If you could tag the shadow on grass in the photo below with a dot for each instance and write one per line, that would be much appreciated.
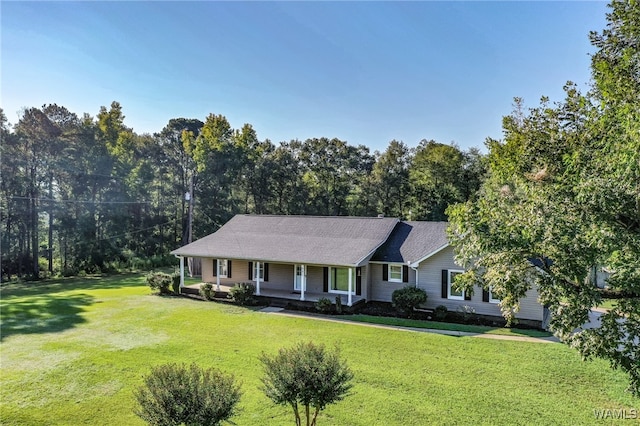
(43, 314)
(56, 285)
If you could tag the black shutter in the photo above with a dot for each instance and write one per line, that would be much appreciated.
(250, 271)
(467, 295)
(228, 269)
(445, 283)
(485, 295)
(325, 279)
(358, 281)
(266, 272)
(215, 267)
(405, 274)
(385, 272)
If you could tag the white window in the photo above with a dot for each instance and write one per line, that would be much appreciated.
(258, 271)
(339, 280)
(492, 297)
(223, 268)
(451, 292)
(395, 273)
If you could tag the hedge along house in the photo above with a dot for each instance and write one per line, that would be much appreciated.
(356, 258)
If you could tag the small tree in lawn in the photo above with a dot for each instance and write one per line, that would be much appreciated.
(306, 377)
(175, 394)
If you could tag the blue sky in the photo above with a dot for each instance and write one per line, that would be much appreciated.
(364, 72)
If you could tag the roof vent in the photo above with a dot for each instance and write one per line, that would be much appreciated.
(380, 216)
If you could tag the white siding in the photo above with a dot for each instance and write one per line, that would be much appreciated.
(430, 279)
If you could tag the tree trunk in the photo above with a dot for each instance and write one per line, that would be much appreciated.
(34, 225)
(50, 251)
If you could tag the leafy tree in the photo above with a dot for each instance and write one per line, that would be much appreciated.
(563, 198)
(391, 180)
(176, 394)
(306, 376)
(441, 175)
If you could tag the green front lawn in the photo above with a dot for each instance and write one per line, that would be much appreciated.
(73, 351)
(436, 325)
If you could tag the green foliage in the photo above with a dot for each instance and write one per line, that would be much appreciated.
(554, 386)
(563, 198)
(467, 314)
(159, 281)
(306, 376)
(440, 312)
(123, 187)
(176, 394)
(175, 282)
(242, 293)
(338, 305)
(323, 305)
(441, 175)
(205, 290)
(408, 298)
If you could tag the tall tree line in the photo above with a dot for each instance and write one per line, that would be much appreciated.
(83, 193)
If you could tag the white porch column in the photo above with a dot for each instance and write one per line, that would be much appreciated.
(181, 272)
(257, 278)
(303, 281)
(217, 274)
(349, 299)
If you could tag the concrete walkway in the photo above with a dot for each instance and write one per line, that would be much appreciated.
(308, 315)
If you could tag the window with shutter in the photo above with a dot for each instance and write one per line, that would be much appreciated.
(452, 293)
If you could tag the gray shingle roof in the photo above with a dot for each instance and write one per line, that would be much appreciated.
(412, 241)
(323, 240)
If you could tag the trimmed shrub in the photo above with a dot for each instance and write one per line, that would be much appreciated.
(159, 281)
(307, 378)
(175, 282)
(323, 305)
(205, 290)
(242, 293)
(440, 312)
(176, 394)
(467, 313)
(338, 305)
(408, 298)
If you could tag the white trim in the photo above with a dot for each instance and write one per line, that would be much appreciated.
(330, 290)
(256, 268)
(181, 272)
(258, 279)
(416, 271)
(491, 299)
(351, 274)
(417, 262)
(449, 296)
(295, 276)
(303, 279)
(226, 267)
(396, 280)
(217, 274)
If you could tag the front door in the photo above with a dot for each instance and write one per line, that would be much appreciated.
(299, 273)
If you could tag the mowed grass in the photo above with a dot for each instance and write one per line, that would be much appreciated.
(73, 351)
(436, 325)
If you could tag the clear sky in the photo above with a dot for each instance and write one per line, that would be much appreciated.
(364, 72)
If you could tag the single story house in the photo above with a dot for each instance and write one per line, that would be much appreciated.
(355, 258)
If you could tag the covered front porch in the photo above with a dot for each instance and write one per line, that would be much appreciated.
(311, 297)
(288, 281)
